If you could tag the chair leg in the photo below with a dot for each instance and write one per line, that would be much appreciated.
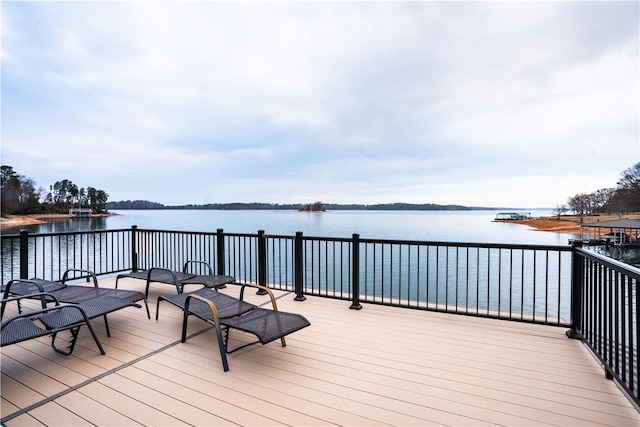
(157, 306)
(95, 337)
(70, 345)
(222, 345)
(185, 319)
(106, 325)
(222, 342)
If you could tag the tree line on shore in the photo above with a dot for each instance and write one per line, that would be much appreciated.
(622, 199)
(19, 196)
(145, 204)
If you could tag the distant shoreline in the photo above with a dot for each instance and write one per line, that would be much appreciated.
(562, 224)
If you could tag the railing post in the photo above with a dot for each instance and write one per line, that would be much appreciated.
(220, 252)
(577, 279)
(24, 254)
(134, 246)
(355, 272)
(297, 266)
(262, 262)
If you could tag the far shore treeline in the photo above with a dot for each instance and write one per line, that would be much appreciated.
(144, 204)
(20, 197)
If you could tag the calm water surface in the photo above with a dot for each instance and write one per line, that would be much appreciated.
(447, 226)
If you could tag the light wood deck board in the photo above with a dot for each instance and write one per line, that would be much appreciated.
(56, 415)
(88, 409)
(457, 399)
(26, 420)
(376, 366)
(223, 392)
(182, 392)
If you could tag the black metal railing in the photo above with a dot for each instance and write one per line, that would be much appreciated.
(606, 317)
(49, 255)
(594, 296)
(516, 282)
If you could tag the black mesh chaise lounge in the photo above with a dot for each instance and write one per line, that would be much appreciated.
(50, 320)
(179, 278)
(225, 312)
(73, 294)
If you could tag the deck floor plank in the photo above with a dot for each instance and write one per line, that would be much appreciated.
(25, 420)
(207, 395)
(17, 393)
(237, 391)
(375, 366)
(55, 415)
(100, 410)
(116, 391)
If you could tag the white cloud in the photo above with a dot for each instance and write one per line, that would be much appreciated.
(441, 102)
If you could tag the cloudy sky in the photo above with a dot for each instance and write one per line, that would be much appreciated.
(503, 104)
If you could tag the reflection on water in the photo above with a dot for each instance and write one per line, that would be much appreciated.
(445, 226)
(629, 256)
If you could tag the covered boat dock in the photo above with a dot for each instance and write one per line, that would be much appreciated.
(617, 232)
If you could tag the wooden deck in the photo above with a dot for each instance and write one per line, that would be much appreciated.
(376, 366)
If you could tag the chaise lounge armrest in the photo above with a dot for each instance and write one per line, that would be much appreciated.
(266, 324)
(54, 319)
(90, 275)
(35, 285)
(179, 278)
(73, 294)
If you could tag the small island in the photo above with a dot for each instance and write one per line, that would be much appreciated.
(313, 207)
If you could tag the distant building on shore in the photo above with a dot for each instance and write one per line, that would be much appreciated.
(511, 216)
(80, 212)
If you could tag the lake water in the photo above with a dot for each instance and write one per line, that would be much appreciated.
(430, 226)
(447, 226)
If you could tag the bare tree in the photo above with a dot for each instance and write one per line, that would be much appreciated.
(560, 210)
(629, 187)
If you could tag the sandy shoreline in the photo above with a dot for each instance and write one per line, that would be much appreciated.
(566, 223)
(13, 221)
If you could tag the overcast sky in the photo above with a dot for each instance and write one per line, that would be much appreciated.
(503, 104)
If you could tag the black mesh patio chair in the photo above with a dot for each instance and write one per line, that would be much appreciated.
(50, 320)
(193, 273)
(225, 312)
(73, 294)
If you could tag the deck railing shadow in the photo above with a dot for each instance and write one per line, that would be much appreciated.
(593, 296)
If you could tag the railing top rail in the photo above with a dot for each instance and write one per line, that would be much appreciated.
(563, 248)
(473, 244)
(280, 236)
(627, 269)
(151, 230)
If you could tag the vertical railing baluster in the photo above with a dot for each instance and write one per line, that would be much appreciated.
(577, 279)
(220, 254)
(134, 253)
(24, 254)
(297, 266)
(633, 283)
(633, 329)
(613, 278)
(262, 262)
(355, 270)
